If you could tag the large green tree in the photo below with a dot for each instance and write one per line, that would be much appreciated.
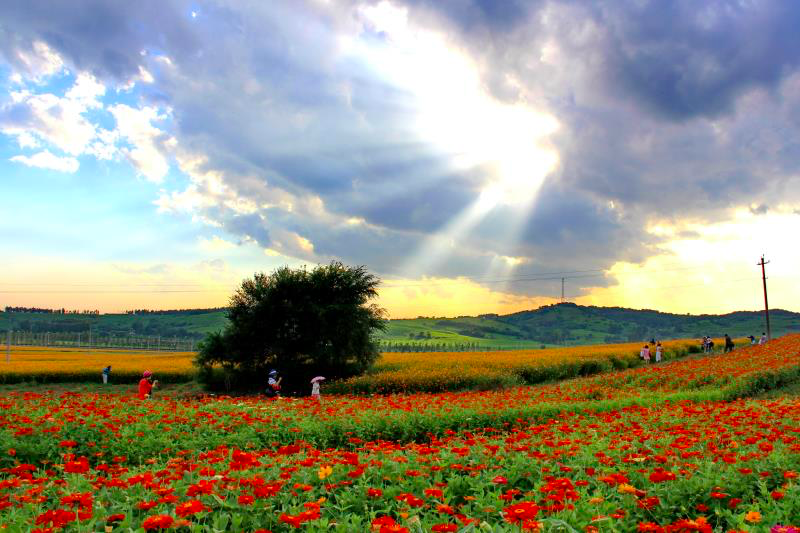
(302, 323)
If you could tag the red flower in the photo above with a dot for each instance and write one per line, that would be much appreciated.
(520, 511)
(394, 528)
(777, 495)
(660, 475)
(649, 527)
(115, 518)
(374, 493)
(443, 528)
(81, 466)
(648, 503)
(190, 507)
(159, 521)
(146, 506)
(434, 493)
(294, 521)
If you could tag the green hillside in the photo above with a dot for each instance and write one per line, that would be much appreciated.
(571, 324)
(194, 323)
(560, 324)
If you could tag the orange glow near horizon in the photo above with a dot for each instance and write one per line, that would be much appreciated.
(712, 272)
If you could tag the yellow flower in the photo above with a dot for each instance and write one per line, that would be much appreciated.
(325, 471)
(754, 517)
(624, 488)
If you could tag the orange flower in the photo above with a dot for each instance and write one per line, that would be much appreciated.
(754, 517)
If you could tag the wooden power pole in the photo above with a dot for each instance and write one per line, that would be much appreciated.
(766, 303)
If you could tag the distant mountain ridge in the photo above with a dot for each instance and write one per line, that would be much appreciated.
(558, 324)
(570, 324)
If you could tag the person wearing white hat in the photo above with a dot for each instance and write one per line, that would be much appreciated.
(273, 384)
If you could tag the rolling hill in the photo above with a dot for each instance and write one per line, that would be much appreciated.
(560, 324)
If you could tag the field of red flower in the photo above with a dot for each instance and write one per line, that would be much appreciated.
(660, 448)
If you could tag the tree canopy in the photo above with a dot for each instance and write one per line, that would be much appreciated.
(302, 323)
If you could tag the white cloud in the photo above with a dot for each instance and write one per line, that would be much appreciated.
(41, 61)
(86, 90)
(148, 143)
(26, 140)
(57, 121)
(50, 161)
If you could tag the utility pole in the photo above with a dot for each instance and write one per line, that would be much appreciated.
(562, 290)
(766, 304)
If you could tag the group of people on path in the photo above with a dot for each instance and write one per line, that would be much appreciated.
(658, 352)
(762, 340)
(274, 386)
(707, 343)
(148, 383)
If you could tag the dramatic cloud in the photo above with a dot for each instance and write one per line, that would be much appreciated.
(425, 138)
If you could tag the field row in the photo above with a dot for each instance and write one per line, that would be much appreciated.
(394, 372)
(676, 467)
(625, 451)
(443, 371)
(407, 417)
(75, 365)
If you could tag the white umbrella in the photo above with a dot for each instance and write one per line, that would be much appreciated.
(318, 378)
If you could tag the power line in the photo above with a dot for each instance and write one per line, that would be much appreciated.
(544, 276)
(115, 291)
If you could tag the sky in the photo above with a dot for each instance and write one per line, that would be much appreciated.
(470, 153)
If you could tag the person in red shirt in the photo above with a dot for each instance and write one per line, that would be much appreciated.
(146, 385)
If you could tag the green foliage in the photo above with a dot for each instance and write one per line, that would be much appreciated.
(568, 324)
(302, 323)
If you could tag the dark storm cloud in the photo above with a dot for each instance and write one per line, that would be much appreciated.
(250, 226)
(666, 109)
(103, 37)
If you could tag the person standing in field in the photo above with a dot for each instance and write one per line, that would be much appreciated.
(146, 385)
(752, 340)
(645, 353)
(105, 373)
(273, 384)
(315, 388)
(763, 339)
(728, 343)
(659, 352)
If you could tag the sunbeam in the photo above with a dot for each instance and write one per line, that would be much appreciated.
(453, 112)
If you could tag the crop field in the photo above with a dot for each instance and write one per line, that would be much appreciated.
(675, 447)
(394, 372)
(64, 365)
(442, 371)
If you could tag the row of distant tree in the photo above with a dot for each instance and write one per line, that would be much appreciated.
(388, 346)
(43, 310)
(174, 311)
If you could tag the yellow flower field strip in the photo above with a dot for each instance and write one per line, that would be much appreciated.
(59, 360)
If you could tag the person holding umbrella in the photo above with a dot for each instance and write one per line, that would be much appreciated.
(315, 387)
